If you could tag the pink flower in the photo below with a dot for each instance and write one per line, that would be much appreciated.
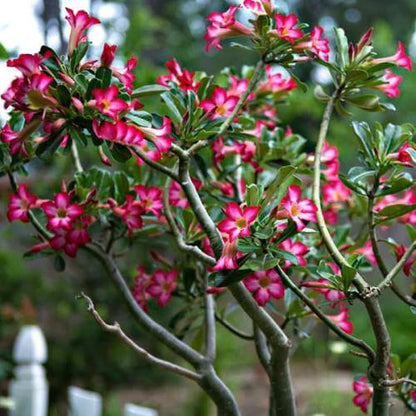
(78, 234)
(221, 151)
(367, 251)
(364, 394)
(342, 320)
(399, 58)
(265, 285)
(296, 209)
(329, 154)
(285, 27)
(220, 104)
(177, 196)
(399, 251)
(126, 75)
(151, 199)
(259, 7)
(224, 25)
(162, 137)
(182, 77)
(60, 212)
(317, 44)
(27, 64)
(228, 258)
(60, 241)
(108, 54)
(162, 285)
(79, 23)
(239, 220)
(276, 83)
(120, 132)
(17, 142)
(107, 102)
(391, 86)
(335, 191)
(297, 248)
(403, 155)
(130, 212)
(409, 198)
(20, 203)
(141, 282)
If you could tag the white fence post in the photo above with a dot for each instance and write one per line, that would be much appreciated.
(84, 402)
(133, 410)
(29, 390)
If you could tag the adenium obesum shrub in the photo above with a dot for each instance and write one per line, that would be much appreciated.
(265, 229)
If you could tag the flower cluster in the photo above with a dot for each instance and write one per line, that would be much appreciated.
(364, 394)
(160, 285)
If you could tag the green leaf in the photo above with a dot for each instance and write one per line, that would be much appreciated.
(64, 96)
(121, 186)
(396, 184)
(253, 194)
(363, 132)
(347, 273)
(366, 102)
(104, 75)
(394, 211)
(148, 90)
(320, 94)
(226, 278)
(341, 48)
(3, 52)
(351, 185)
(286, 255)
(412, 153)
(173, 109)
(78, 54)
(279, 185)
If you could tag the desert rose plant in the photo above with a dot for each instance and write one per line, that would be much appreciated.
(263, 228)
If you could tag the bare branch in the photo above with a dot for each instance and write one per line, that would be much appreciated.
(75, 156)
(210, 330)
(116, 329)
(233, 329)
(392, 383)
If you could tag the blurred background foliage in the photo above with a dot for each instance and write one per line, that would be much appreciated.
(32, 291)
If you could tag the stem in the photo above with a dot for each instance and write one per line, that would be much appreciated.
(196, 251)
(233, 329)
(199, 210)
(316, 191)
(359, 343)
(155, 165)
(116, 329)
(76, 158)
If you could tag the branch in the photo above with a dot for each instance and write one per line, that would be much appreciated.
(362, 345)
(116, 329)
(196, 251)
(396, 269)
(262, 349)
(233, 329)
(155, 329)
(155, 165)
(316, 192)
(392, 383)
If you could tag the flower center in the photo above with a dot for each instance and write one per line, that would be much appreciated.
(294, 210)
(264, 281)
(241, 222)
(148, 203)
(61, 213)
(221, 110)
(105, 103)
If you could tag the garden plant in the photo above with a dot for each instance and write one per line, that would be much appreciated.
(264, 229)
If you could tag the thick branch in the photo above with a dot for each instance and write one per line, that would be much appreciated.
(359, 343)
(116, 329)
(210, 329)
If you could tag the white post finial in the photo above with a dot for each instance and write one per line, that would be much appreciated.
(29, 390)
(133, 410)
(84, 403)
